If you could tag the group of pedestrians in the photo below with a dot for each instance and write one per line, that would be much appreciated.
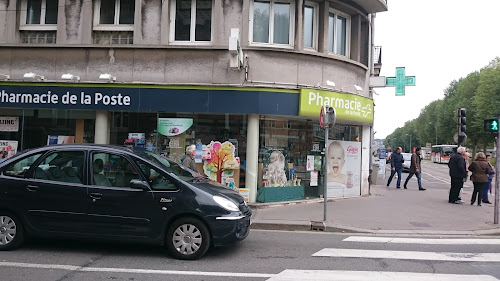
(397, 161)
(482, 174)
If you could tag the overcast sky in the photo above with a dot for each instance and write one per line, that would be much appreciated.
(438, 41)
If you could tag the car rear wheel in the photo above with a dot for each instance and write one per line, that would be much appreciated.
(11, 231)
(187, 239)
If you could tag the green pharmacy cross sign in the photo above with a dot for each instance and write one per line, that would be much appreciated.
(400, 81)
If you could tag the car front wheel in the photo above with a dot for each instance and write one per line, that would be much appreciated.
(11, 231)
(187, 239)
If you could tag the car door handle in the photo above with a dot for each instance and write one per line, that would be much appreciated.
(32, 187)
(95, 196)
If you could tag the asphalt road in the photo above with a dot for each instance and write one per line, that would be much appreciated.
(264, 255)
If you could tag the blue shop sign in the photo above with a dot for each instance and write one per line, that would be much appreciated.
(216, 100)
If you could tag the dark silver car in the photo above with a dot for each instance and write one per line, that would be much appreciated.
(115, 193)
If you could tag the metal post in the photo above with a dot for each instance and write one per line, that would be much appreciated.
(325, 173)
(497, 175)
(411, 149)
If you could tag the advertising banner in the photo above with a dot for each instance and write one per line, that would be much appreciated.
(9, 124)
(344, 169)
(173, 126)
(8, 148)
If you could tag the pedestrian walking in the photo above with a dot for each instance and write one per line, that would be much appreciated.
(480, 171)
(458, 174)
(396, 166)
(415, 168)
(487, 188)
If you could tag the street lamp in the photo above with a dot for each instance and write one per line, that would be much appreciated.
(410, 143)
(436, 132)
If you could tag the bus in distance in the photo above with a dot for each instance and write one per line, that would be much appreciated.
(442, 153)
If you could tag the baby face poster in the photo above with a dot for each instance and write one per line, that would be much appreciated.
(344, 169)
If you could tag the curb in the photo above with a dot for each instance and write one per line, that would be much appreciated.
(334, 228)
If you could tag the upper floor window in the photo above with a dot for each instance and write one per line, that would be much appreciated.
(310, 25)
(39, 15)
(338, 33)
(114, 15)
(272, 22)
(191, 21)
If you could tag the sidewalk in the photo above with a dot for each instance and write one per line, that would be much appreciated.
(386, 211)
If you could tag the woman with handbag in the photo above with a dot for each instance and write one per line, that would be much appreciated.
(480, 171)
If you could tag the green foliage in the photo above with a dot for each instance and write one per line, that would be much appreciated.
(479, 93)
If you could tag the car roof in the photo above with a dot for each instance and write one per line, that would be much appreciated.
(83, 146)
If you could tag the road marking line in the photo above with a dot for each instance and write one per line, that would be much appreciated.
(408, 255)
(437, 178)
(324, 275)
(422, 241)
(132, 270)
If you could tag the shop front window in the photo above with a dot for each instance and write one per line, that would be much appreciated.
(291, 157)
(219, 140)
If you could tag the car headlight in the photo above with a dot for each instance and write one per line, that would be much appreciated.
(226, 204)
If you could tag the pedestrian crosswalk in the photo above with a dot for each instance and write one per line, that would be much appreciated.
(408, 255)
(331, 275)
(427, 256)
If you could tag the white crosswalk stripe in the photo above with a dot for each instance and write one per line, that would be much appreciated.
(323, 275)
(407, 240)
(408, 255)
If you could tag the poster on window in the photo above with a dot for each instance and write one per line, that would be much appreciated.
(344, 169)
(275, 162)
(51, 139)
(9, 124)
(8, 148)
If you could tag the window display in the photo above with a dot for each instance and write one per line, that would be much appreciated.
(291, 159)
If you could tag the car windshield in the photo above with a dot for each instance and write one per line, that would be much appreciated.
(169, 166)
(447, 151)
(407, 156)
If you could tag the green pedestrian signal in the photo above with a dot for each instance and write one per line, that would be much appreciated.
(491, 125)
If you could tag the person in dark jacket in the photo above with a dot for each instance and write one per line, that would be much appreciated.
(396, 166)
(487, 188)
(415, 168)
(458, 174)
(188, 159)
(480, 171)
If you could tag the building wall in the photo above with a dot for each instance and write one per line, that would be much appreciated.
(152, 59)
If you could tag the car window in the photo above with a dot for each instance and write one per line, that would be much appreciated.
(157, 180)
(61, 166)
(112, 170)
(180, 171)
(19, 168)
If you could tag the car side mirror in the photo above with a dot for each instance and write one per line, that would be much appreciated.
(138, 184)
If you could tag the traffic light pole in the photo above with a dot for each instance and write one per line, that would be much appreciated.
(497, 175)
(325, 173)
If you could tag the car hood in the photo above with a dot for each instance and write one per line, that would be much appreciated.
(215, 188)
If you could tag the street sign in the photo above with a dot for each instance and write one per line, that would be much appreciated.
(460, 138)
(400, 81)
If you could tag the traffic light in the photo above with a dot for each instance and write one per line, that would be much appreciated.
(491, 125)
(461, 121)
